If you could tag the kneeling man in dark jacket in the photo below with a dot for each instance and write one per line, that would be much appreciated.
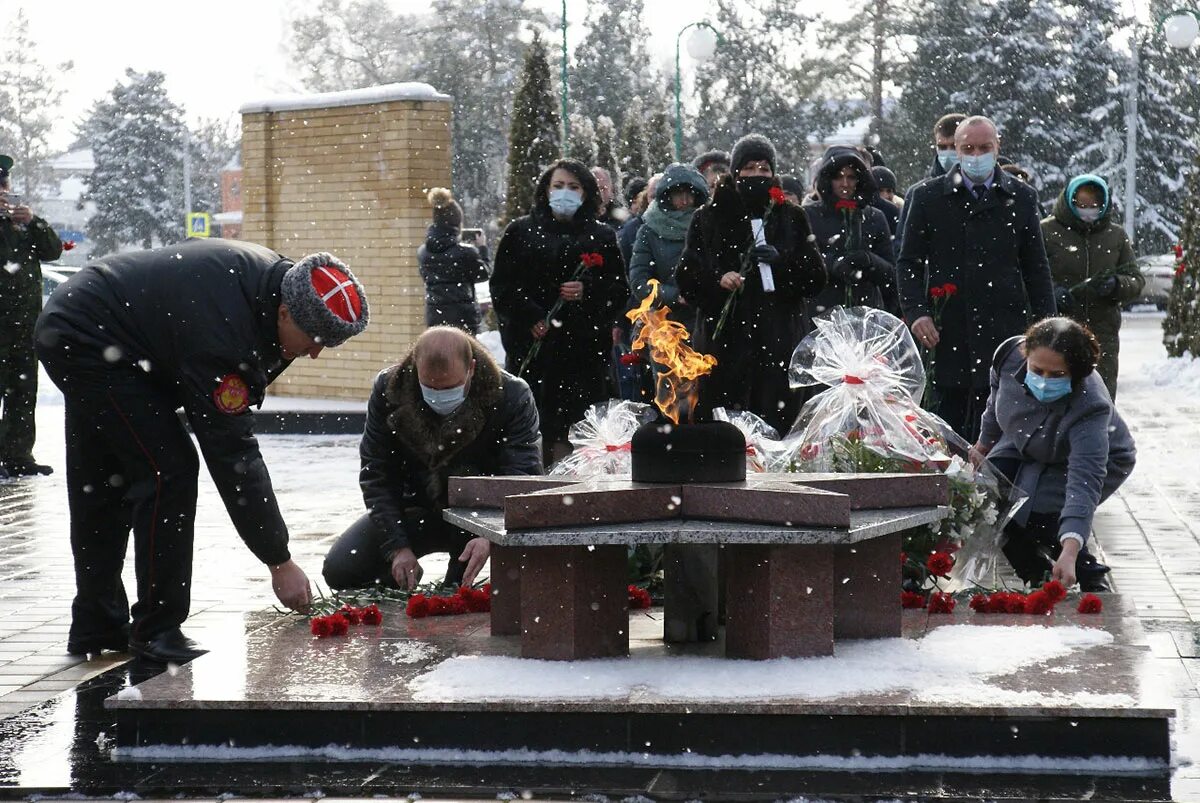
(446, 410)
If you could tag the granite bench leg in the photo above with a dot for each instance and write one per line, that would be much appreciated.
(506, 590)
(574, 602)
(690, 591)
(779, 600)
(866, 586)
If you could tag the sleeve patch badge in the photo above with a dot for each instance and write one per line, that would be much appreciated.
(232, 395)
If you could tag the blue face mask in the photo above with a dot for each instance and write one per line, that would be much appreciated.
(444, 402)
(979, 168)
(565, 202)
(948, 159)
(1047, 390)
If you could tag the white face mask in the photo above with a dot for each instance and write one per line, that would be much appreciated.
(1089, 215)
(444, 401)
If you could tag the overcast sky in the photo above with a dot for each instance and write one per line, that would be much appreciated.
(231, 51)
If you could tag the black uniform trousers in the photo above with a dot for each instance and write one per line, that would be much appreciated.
(356, 559)
(18, 375)
(130, 465)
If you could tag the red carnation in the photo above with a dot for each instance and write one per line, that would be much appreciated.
(1090, 603)
(1038, 603)
(631, 358)
(68, 245)
(321, 627)
(1015, 603)
(778, 196)
(846, 203)
(1055, 591)
(911, 599)
(1178, 251)
(942, 603)
(477, 601)
(937, 292)
(351, 615)
(418, 606)
(950, 288)
(1179, 270)
(939, 564)
(455, 606)
(979, 603)
(591, 260)
(639, 597)
(438, 606)
(371, 615)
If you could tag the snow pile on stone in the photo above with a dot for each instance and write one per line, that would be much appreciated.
(954, 662)
(1176, 373)
(412, 90)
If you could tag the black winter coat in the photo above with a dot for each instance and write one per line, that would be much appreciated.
(536, 255)
(993, 251)
(409, 452)
(199, 319)
(856, 244)
(450, 270)
(756, 345)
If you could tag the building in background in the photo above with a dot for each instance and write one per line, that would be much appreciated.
(61, 207)
(229, 219)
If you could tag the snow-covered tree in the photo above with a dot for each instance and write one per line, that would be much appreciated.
(1093, 126)
(632, 148)
(660, 139)
(136, 137)
(612, 66)
(756, 81)
(214, 143)
(29, 101)
(347, 45)
(533, 138)
(607, 149)
(1181, 327)
(581, 141)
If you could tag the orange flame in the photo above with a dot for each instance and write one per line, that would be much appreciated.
(679, 367)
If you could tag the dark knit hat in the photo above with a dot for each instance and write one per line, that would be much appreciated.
(325, 300)
(446, 211)
(709, 158)
(885, 179)
(752, 148)
(791, 184)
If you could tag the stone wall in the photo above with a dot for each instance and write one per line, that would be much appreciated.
(347, 173)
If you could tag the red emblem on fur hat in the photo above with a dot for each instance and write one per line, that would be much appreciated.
(232, 395)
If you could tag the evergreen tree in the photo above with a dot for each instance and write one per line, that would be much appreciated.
(29, 101)
(581, 142)
(756, 82)
(607, 149)
(533, 139)
(1093, 127)
(136, 137)
(612, 65)
(632, 151)
(660, 139)
(214, 143)
(1181, 327)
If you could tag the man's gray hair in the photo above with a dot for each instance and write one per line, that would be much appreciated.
(974, 120)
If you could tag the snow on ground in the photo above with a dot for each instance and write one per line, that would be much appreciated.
(954, 662)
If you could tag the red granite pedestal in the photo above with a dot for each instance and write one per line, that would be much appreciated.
(866, 577)
(506, 590)
(578, 607)
(779, 600)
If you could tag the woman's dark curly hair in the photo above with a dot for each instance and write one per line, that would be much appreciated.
(591, 190)
(1074, 341)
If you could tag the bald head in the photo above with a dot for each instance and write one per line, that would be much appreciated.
(974, 132)
(444, 357)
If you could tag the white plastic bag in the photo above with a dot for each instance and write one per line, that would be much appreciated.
(600, 441)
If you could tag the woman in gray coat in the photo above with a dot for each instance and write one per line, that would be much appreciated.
(1051, 427)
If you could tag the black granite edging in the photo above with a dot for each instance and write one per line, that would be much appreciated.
(662, 734)
(307, 422)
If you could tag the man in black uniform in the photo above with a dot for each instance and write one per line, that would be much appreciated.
(205, 325)
(25, 242)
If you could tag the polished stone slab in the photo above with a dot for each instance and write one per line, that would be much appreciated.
(364, 691)
(864, 525)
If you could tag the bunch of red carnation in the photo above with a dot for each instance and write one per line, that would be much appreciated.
(639, 597)
(1036, 603)
(464, 600)
(338, 623)
(946, 290)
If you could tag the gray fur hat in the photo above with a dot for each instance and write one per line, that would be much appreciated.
(752, 148)
(325, 300)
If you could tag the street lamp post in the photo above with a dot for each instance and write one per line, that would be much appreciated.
(566, 125)
(701, 46)
(1181, 29)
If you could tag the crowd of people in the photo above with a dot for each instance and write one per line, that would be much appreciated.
(1023, 354)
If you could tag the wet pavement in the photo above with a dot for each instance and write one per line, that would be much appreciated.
(56, 733)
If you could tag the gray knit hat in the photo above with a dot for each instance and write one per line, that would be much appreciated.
(325, 300)
(752, 148)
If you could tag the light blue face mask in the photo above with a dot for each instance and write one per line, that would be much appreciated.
(446, 401)
(979, 168)
(1047, 390)
(947, 159)
(565, 202)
